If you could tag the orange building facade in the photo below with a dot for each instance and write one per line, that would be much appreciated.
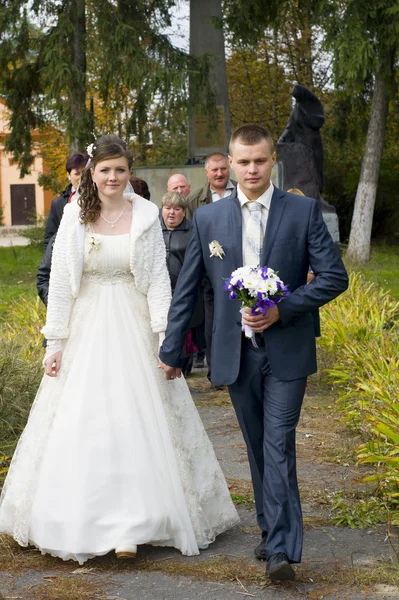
(20, 199)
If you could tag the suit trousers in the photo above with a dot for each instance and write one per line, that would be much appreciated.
(268, 411)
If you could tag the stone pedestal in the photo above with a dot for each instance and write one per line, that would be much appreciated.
(298, 168)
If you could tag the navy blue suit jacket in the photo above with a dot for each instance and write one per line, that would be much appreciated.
(296, 237)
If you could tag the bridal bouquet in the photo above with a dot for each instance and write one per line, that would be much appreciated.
(257, 288)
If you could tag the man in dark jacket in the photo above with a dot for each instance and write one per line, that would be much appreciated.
(74, 166)
(43, 273)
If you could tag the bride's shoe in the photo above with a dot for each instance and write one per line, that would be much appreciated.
(127, 552)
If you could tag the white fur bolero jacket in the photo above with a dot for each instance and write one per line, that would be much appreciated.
(147, 264)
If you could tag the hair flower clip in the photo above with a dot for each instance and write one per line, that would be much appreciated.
(90, 149)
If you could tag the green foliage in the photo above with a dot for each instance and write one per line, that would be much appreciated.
(20, 79)
(18, 268)
(19, 380)
(20, 371)
(246, 500)
(365, 312)
(259, 89)
(383, 268)
(359, 513)
(248, 19)
(277, 45)
(94, 55)
(35, 234)
(19, 264)
(344, 139)
(361, 332)
(23, 321)
(364, 37)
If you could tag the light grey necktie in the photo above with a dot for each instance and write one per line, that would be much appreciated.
(253, 234)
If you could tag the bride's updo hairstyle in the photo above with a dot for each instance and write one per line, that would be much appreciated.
(104, 148)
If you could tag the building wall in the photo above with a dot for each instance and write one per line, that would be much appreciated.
(9, 175)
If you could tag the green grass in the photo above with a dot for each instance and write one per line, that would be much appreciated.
(19, 264)
(18, 268)
(383, 268)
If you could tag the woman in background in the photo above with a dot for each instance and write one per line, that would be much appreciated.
(140, 187)
(176, 233)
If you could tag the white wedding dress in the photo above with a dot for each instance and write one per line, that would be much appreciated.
(113, 455)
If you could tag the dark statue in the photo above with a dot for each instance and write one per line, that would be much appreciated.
(300, 150)
(304, 126)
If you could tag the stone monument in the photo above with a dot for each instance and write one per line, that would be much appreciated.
(206, 37)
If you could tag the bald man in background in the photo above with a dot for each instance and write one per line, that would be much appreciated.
(179, 183)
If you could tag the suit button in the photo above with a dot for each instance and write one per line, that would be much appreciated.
(239, 323)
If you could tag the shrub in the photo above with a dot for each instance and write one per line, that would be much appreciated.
(361, 332)
(19, 381)
(20, 371)
(35, 233)
(23, 321)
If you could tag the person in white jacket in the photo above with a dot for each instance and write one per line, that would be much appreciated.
(112, 456)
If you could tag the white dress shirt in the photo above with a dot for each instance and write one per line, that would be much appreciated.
(226, 192)
(265, 200)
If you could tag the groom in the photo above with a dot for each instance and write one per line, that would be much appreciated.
(260, 224)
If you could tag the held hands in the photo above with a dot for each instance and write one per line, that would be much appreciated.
(52, 364)
(259, 323)
(170, 372)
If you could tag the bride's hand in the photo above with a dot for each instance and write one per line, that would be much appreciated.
(170, 372)
(52, 364)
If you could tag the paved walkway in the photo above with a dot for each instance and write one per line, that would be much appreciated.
(11, 236)
(227, 570)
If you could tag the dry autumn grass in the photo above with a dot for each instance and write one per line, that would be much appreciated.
(95, 581)
(66, 588)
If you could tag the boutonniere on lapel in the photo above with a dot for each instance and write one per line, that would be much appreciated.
(216, 249)
(94, 243)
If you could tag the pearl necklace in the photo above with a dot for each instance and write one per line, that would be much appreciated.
(113, 223)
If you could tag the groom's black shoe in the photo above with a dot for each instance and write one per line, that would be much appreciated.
(260, 550)
(278, 568)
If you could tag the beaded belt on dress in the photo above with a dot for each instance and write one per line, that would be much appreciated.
(108, 277)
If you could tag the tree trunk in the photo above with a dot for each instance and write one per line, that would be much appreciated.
(79, 116)
(362, 220)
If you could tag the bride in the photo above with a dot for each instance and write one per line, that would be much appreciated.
(113, 455)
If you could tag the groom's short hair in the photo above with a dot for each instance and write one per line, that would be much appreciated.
(249, 135)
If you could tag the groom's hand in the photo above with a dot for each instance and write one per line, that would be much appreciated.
(170, 372)
(261, 322)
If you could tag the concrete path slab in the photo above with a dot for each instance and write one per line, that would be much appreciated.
(13, 240)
